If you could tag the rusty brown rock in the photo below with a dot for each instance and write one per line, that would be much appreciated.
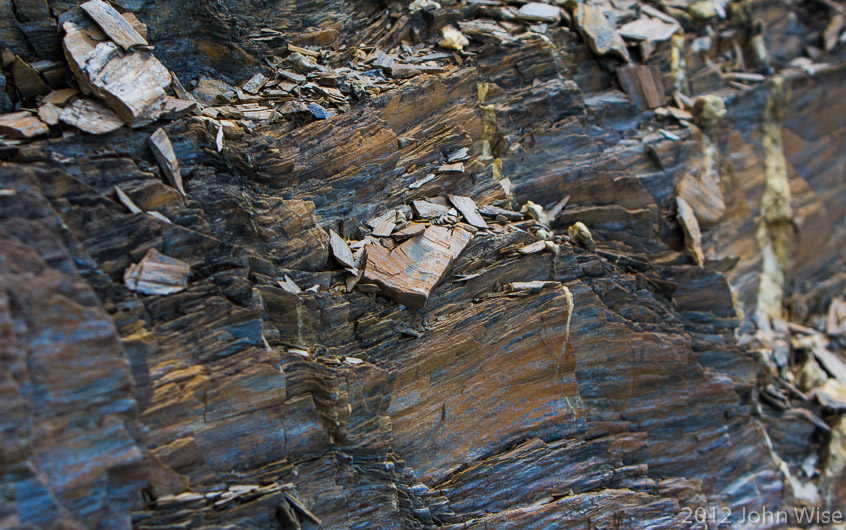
(22, 125)
(409, 272)
(643, 84)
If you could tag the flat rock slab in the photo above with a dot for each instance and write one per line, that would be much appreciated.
(90, 116)
(22, 125)
(113, 24)
(646, 28)
(132, 84)
(643, 84)
(468, 209)
(600, 35)
(163, 151)
(409, 272)
(157, 274)
(539, 12)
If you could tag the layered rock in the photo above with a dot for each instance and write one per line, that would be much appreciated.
(557, 386)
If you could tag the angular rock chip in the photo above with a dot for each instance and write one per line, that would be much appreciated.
(383, 60)
(692, 235)
(534, 286)
(157, 274)
(384, 224)
(49, 113)
(428, 210)
(539, 12)
(288, 285)
(163, 151)
(832, 364)
(133, 84)
(60, 97)
(255, 83)
(647, 28)
(90, 116)
(600, 35)
(411, 230)
(319, 112)
(468, 209)
(458, 167)
(22, 125)
(493, 211)
(533, 248)
(409, 272)
(341, 250)
(113, 24)
(175, 108)
(419, 183)
(126, 201)
(458, 155)
(27, 79)
(643, 84)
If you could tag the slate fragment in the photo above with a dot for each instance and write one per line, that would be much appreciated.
(341, 250)
(114, 25)
(468, 209)
(600, 35)
(22, 125)
(650, 29)
(163, 151)
(319, 112)
(539, 12)
(409, 272)
(91, 116)
(692, 235)
(157, 274)
(27, 80)
(428, 210)
(643, 84)
(131, 83)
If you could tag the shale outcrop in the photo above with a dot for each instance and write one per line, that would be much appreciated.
(475, 264)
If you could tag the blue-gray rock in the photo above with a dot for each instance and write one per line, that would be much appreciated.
(319, 112)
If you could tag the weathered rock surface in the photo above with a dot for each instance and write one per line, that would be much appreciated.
(496, 374)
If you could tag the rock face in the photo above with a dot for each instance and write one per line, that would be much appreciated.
(203, 358)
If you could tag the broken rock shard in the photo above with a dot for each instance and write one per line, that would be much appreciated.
(91, 116)
(341, 250)
(157, 274)
(598, 31)
(22, 125)
(409, 272)
(468, 209)
(163, 151)
(113, 24)
(131, 83)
